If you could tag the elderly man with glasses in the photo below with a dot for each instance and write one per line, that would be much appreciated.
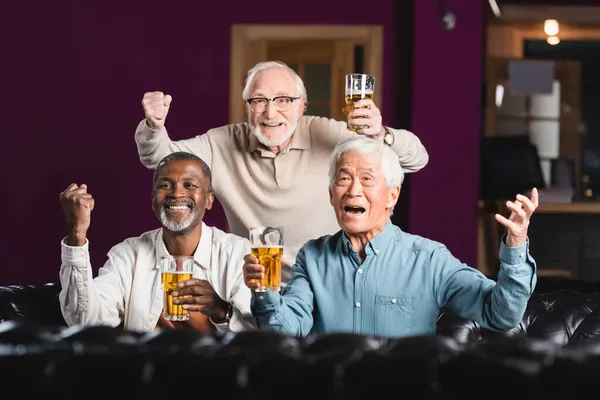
(272, 170)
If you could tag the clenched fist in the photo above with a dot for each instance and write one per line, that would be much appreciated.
(77, 205)
(156, 107)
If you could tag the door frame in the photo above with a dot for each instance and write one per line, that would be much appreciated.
(249, 44)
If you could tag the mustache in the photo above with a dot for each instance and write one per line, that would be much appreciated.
(263, 120)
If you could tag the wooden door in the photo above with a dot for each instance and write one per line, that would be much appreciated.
(321, 54)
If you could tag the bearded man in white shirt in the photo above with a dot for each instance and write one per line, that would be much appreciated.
(127, 289)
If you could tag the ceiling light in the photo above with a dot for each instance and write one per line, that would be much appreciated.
(551, 27)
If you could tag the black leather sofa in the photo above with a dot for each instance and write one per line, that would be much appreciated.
(553, 354)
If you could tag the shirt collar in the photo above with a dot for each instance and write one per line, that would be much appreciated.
(202, 255)
(300, 139)
(378, 243)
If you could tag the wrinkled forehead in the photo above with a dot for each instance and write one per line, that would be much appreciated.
(354, 159)
(181, 170)
(273, 82)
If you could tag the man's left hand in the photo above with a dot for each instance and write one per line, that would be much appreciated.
(518, 221)
(200, 297)
(367, 109)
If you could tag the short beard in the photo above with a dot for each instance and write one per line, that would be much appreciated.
(176, 227)
(257, 131)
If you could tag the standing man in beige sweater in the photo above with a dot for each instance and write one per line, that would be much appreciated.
(272, 170)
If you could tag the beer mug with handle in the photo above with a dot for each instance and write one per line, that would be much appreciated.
(267, 246)
(358, 87)
(175, 269)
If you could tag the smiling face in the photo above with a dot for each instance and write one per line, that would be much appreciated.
(272, 127)
(180, 196)
(360, 196)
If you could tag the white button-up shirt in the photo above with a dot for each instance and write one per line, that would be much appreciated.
(128, 287)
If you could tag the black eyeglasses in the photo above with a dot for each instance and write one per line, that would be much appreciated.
(282, 103)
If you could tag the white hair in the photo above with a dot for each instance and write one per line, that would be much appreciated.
(266, 65)
(390, 165)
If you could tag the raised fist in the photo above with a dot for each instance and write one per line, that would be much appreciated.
(77, 205)
(156, 107)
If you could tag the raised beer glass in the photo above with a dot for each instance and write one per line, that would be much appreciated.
(358, 87)
(175, 269)
(267, 246)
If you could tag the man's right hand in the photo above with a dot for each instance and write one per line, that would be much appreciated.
(77, 205)
(156, 107)
(253, 272)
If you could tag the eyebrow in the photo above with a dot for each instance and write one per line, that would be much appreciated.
(184, 178)
(346, 170)
(279, 94)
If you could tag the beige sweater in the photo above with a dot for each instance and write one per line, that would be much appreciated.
(257, 187)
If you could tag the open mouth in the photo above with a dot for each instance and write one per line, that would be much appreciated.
(177, 207)
(271, 124)
(354, 210)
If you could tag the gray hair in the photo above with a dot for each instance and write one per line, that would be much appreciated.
(390, 166)
(183, 156)
(266, 65)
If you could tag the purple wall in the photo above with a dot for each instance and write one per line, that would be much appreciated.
(74, 75)
(448, 69)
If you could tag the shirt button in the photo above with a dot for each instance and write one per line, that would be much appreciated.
(261, 298)
(357, 304)
(360, 270)
(394, 300)
(522, 255)
(83, 256)
(376, 251)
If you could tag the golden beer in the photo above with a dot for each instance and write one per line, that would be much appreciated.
(270, 258)
(173, 312)
(350, 100)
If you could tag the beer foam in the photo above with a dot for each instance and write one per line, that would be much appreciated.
(350, 91)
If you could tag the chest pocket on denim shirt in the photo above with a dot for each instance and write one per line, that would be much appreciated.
(394, 315)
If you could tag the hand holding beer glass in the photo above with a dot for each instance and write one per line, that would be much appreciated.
(175, 269)
(267, 246)
(358, 87)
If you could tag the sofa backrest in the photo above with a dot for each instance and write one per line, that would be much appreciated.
(36, 304)
(558, 316)
(71, 360)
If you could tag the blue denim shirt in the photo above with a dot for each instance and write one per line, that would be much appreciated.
(397, 290)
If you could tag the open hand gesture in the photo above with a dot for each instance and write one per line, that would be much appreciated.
(518, 221)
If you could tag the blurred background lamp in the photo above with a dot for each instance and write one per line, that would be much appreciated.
(551, 27)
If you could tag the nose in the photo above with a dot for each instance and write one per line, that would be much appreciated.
(178, 190)
(355, 188)
(270, 111)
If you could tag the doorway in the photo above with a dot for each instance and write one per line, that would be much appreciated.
(321, 54)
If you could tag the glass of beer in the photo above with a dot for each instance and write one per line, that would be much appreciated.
(267, 246)
(358, 87)
(175, 269)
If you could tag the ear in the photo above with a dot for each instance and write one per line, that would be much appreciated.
(392, 199)
(210, 198)
(301, 108)
(153, 201)
(246, 106)
(330, 197)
